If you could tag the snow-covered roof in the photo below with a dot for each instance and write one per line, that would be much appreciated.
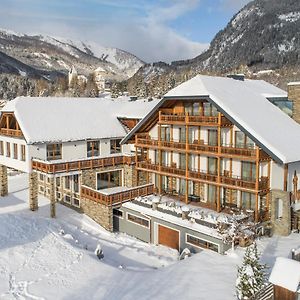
(286, 273)
(244, 102)
(51, 119)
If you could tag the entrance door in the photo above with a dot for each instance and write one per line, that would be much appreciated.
(168, 237)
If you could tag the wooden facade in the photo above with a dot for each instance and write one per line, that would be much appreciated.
(174, 114)
(281, 293)
(9, 126)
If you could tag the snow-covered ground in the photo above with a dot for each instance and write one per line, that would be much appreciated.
(37, 261)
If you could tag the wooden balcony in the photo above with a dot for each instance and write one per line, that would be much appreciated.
(227, 181)
(51, 167)
(116, 198)
(202, 148)
(193, 120)
(11, 132)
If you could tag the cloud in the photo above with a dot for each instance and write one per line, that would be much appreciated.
(138, 26)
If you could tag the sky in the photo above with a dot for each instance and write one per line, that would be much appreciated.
(153, 30)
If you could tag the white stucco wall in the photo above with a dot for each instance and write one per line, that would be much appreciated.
(74, 150)
(11, 162)
(277, 176)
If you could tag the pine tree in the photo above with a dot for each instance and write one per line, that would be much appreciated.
(251, 274)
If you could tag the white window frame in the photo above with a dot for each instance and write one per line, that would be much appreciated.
(129, 213)
(73, 203)
(67, 201)
(205, 240)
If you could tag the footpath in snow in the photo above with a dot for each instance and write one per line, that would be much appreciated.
(43, 258)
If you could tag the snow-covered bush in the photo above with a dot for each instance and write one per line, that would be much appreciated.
(99, 252)
(251, 274)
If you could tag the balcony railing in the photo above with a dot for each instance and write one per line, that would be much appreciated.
(193, 120)
(52, 167)
(11, 132)
(197, 147)
(225, 179)
(117, 197)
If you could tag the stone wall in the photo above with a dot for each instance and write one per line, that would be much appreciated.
(33, 191)
(3, 181)
(282, 225)
(294, 95)
(98, 212)
(130, 179)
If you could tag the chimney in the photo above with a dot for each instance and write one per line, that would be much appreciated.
(294, 96)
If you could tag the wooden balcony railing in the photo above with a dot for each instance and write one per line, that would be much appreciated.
(60, 167)
(197, 147)
(226, 180)
(193, 120)
(11, 132)
(118, 197)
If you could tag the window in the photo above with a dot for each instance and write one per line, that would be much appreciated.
(41, 177)
(182, 187)
(115, 146)
(182, 161)
(248, 201)
(67, 199)
(7, 149)
(67, 182)
(23, 152)
(92, 148)
(188, 109)
(138, 220)
(109, 179)
(1, 148)
(195, 241)
(242, 141)
(164, 158)
(212, 163)
(165, 134)
(58, 195)
(248, 171)
(211, 193)
(212, 137)
(182, 135)
(278, 208)
(117, 213)
(57, 181)
(15, 151)
(209, 110)
(54, 151)
(76, 183)
(156, 157)
(76, 202)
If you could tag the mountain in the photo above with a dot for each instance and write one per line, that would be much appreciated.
(262, 40)
(35, 55)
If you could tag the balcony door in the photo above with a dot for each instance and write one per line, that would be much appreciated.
(182, 135)
(242, 141)
(248, 171)
(165, 134)
(212, 137)
(212, 165)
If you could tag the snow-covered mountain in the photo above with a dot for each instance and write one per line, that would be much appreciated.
(51, 54)
(264, 35)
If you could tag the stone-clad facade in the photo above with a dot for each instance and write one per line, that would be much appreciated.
(3, 181)
(281, 212)
(33, 191)
(101, 214)
(294, 95)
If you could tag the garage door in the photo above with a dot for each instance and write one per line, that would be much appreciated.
(168, 237)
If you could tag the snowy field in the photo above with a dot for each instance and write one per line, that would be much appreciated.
(38, 262)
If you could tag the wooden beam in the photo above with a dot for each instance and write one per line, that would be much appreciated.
(285, 177)
(257, 184)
